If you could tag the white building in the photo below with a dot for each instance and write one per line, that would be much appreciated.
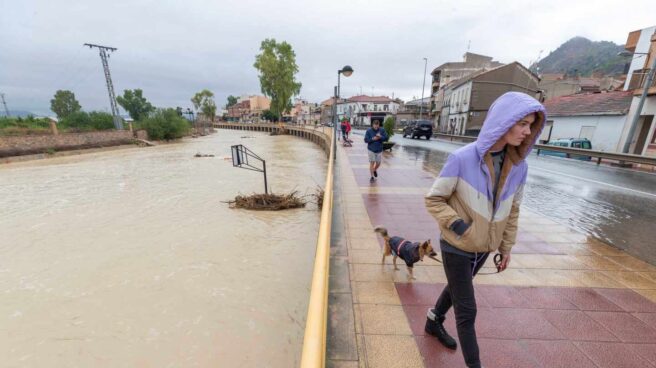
(361, 110)
(599, 117)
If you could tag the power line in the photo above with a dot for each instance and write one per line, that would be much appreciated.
(108, 78)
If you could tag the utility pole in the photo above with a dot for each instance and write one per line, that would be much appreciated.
(421, 102)
(2, 95)
(104, 55)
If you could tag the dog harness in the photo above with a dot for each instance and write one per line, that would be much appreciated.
(404, 249)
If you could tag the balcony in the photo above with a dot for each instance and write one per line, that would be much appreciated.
(632, 41)
(638, 80)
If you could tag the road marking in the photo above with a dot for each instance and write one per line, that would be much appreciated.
(598, 182)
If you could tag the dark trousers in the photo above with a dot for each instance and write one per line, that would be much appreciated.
(459, 292)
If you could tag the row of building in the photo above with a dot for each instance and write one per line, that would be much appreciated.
(605, 117)
(599, 108)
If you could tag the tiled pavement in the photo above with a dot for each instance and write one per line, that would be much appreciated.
(566, 300)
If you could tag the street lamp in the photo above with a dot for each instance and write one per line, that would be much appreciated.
(347, 71)
(645, 89)
(421, 102)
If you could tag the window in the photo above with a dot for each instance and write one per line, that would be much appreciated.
(375, 107)
(586, 145)
(385, 107)
(364, 107)
(576, 144)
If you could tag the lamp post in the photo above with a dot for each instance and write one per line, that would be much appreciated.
(347, 71)
(645, 89)
(421, 102)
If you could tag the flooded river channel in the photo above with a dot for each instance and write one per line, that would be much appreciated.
(129, 258)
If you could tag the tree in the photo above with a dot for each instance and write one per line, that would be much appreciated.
(64, 104)
(135, 104)
(388, 125)
(277, 66)
(232, 100)
(268, 115)
(204, 101)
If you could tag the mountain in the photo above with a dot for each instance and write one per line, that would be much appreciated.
(583, 57)
(18, 113)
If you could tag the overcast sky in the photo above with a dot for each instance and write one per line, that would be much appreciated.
(172, 49)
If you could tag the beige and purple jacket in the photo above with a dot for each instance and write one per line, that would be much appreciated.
(464, 188)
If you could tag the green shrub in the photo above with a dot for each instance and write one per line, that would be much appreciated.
(165, 124)
(76, 121)
(19, 126)
(101, 120)
(81, 121)
(388, 125)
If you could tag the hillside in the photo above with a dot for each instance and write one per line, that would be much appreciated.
(582, 56)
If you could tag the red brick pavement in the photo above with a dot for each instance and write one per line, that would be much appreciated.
(517, 326)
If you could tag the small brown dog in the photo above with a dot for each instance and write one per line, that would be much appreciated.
(410, 252)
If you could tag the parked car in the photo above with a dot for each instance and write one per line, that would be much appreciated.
(419, 128)
(581, 143)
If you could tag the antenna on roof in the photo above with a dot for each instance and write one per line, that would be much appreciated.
(468, 45)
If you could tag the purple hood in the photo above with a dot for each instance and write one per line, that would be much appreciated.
(504, 113)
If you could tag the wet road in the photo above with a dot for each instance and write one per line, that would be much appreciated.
(129, 258)
(615, 205)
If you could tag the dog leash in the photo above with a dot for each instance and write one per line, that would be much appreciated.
(496, 259)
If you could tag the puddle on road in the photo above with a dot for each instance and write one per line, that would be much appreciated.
(623, 220)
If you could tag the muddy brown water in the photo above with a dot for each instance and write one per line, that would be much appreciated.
(130, 259)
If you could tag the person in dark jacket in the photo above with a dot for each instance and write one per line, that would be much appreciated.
(374, 137)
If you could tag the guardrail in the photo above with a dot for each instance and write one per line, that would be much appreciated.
(314, 342)
(598, 155)
(621, 158)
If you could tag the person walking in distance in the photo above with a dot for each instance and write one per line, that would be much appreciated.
(348, 130)
(374, 137)
(475, 201)
(343, 128)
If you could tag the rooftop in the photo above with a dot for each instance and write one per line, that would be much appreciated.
(608, 103)
(365, 98)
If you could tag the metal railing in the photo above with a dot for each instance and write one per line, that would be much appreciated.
(571, 152)
(598, 155)
(314, 342)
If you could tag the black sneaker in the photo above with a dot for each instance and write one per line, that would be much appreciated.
(376, 173)
(435, 327)
(372, 179)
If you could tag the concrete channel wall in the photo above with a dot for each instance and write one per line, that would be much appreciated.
(36, 144)
(318, 135)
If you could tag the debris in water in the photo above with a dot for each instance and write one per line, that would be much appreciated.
(268, 202)
(318, 197)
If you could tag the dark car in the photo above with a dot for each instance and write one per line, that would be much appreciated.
(419, 128)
